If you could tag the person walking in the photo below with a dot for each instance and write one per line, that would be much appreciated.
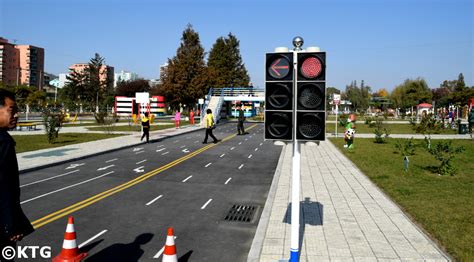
(241, 119)
(146, 128)
(471, 121)
(191, 117)
(177, 117)
(14, 225)
(209, 118)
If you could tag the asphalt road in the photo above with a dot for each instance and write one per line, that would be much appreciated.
(124, 201)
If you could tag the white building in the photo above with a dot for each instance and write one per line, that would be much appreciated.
(62, 80)
(124, 76)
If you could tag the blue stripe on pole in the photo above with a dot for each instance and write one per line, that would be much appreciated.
(294, 256)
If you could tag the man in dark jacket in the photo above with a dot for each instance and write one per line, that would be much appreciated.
(240, 125)
(13, 223)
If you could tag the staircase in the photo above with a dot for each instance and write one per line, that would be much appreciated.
(215, 104)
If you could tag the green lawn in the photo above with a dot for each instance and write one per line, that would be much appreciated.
(442, 205)
(25, 143)
(362, 128)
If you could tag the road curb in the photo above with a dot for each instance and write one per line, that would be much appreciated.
(72, 159)
(257, 243)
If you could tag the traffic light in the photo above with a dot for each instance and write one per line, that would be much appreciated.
(279, 96)
(311, 96)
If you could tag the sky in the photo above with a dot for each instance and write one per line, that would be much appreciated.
(382, 42)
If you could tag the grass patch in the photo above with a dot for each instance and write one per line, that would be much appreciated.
(362, 128)
(25, 143)
(443, 205)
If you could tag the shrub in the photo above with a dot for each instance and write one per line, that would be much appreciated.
(380, 131)
(52, 124)
(444, 151)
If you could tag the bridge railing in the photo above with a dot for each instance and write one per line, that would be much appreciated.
(236, 91)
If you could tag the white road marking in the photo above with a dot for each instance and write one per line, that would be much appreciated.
(207, 203)
(64, 188)
(256, 149)
(159, 150)
(160, 146)
(151, 202)
(232, 148)
(75, 165)
(104, 168)
(137, 163)
(240, 167)
(182, 146)
(139, 169)
(111, 160)
(246, 139)
(186, 179)
(250, 156)
(222, 155)
(92, 238)
(196, 142)
(261, 143)
(39, 181)
(162, 250)
(208, 165)
(139, 152)
(227, 181)
(176, 141)
(165, 153)
(185, 150)
(240, 143)
(137, 149)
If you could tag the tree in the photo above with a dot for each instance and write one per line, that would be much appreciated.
(359, 97)
(89, 87)
(461, 93)
(441, 96)
(225, 63)
(129, 88)
(382, 93)
(186, 77)
(411, 93)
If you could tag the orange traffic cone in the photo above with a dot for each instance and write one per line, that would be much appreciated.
(70, 252)
(170, 249)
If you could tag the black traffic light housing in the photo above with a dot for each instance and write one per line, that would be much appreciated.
(279, 97)
(311, 96)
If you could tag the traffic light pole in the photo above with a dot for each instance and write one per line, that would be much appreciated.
(295, 189)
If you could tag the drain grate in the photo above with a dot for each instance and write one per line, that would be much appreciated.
(241, 213)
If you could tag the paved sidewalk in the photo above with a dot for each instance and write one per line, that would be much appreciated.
(47, 157)
(344, 216)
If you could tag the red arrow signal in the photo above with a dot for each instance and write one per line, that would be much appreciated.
(276, 66)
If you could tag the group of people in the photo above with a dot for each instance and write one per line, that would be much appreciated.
(177, 118)
(209, 121)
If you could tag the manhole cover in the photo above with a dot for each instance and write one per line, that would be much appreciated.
(241, 213)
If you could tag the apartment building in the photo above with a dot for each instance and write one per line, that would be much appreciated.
(21, 64)
(9, 63)
(31, 65)
(125, 76)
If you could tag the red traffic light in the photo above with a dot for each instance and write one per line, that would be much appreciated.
(311, 67)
